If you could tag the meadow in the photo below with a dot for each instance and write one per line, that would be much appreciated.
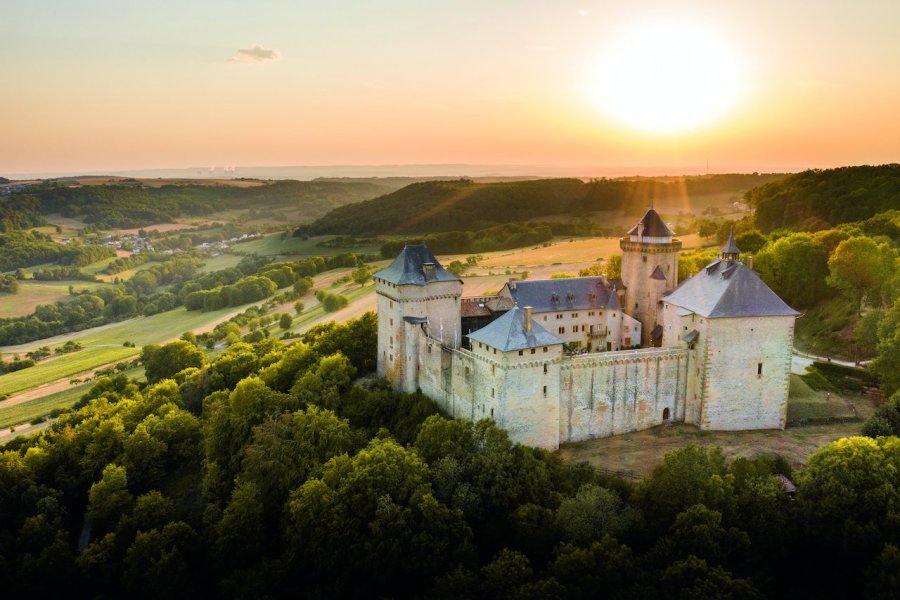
(63, 366)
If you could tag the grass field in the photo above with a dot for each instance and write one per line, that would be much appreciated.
(274, 245)
(28, 411)
(217, 263)
(32, 293)
(63, 366)
(805, 403)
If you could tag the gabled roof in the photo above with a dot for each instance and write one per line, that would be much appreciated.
(508, 333)
(573, 293)
(727, 288)
(409, 267)
(653, 224)
(658, 273)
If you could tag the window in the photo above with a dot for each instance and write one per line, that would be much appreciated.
(545, 390)
(635, 306)
(591, 314)
(492, 413)
(666, 414)
(644, 257)
(759, 369)
(392, 341)
(391, 304)
(562, 329)
(545, 348)
(545, 317)
(627, 341)
(429, 348)
(533, 350)
(492, 392)
(521, 352)
(574, 315)
(545, 368)
(392, 358)
(559, 315)
(392, 322)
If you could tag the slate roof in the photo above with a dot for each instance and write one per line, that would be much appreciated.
(408, 267)
(730, 247)
(573, 293)
(613, 302)
(508, 333)
(484, 307)
(654, 226)
(728, 288)
(658, 273)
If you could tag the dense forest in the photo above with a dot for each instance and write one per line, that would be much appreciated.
(135, 205)
(464, 205)
(267, 473)
(19, 249)
(819, 199)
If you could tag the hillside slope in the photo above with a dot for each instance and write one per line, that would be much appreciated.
(817, 199)
(436, 206)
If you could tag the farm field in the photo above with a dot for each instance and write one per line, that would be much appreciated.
(32, 293)
(217, 263)
(28, 411)
(63, 366)
(274, 245)
(569, 251)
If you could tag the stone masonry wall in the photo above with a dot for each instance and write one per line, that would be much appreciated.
(619, 392)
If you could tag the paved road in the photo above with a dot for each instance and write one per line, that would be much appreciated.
(801, 360)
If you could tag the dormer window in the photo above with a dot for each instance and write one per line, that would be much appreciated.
(554, 297)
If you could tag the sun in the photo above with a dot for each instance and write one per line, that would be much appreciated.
(668, 77)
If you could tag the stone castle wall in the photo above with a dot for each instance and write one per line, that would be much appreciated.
(587, 396)
(619, 392)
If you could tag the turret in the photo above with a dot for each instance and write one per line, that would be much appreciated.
(649, 269)
(730, 251)
(416, 297)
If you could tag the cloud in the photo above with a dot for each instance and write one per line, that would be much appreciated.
(255, 54)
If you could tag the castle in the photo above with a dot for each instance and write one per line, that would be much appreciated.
(564, 360)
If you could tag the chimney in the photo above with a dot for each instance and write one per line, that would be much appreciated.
(749, 261)
(428, 269)
(527, 319)
(512, 283)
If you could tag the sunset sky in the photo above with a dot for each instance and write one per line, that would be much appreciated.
(107, 85)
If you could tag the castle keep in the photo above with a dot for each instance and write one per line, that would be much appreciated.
(564, 360)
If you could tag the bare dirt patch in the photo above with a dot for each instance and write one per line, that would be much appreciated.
(638, 453)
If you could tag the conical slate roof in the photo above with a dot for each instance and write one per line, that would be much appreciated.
(508, 334)
(730, 247)
(409, 268)
(653, 224)
(726, 288)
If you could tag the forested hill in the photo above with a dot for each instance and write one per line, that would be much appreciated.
(466, 205)
(135, 205)
(819, 199)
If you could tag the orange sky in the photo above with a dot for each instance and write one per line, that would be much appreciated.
(101, 86)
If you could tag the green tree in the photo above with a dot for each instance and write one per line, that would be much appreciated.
(285, 321)
(361, 276)
(795, 267)
(109, 498)
(162, 362)
(861, 268)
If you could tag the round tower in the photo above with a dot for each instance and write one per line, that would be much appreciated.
(649, 269)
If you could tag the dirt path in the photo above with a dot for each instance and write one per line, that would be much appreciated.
(60, 385)
(638, 453)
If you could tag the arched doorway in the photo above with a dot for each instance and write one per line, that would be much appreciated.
(666, 414)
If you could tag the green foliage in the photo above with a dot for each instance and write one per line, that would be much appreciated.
(163, 362)
(463, 205)
(818, 199)
(285, 321)
(862, 268)
(795, 267)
